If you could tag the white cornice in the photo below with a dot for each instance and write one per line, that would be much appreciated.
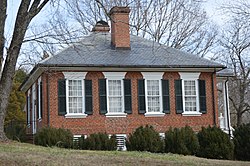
(189, 75)
(74, 75)
(37, 72)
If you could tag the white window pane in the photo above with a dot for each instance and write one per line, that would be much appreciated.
(115, 104)
(75, 96)
(190, 95)
(153, 93)
(115, 96)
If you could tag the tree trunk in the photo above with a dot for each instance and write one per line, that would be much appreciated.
(26, 12)
(6, 85)
(239, 118)
(3, 137)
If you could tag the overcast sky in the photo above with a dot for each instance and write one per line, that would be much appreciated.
(212, 9)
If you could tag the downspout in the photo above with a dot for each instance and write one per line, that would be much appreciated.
(48, 101)
(226, 93)
(212, 78)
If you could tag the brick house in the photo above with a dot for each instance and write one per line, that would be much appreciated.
(115, 82)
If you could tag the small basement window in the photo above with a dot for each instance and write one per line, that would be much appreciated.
(121, 142)
(76, 140)
(162, 136)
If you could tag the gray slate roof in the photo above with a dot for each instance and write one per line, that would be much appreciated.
(96, 50)
(225, 73)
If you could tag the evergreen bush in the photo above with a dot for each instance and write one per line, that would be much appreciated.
(99, 141)
(49, 136)
(145, 139)
(16, 130)
(242, 142)
(215, 144)
(181, 141)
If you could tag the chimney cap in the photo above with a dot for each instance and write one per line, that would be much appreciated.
(119, 9)
(101, 26)
(103, 23)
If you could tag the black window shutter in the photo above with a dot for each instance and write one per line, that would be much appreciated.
(88, 97)
(127, 96)
(202, 96)
(41, 98)
(141, 97)
(178, 96)
(165, 96)
(61, 97)
(102, 96)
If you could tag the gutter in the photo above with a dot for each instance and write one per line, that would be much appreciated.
(214, 111)
(48, 101)
(227, 109)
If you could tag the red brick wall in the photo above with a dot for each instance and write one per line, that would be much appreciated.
(100, 123)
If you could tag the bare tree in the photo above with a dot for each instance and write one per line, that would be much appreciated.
(235, 43)
(181, 24)
(26, 12)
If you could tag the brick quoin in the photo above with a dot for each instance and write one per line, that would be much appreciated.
(124, 125)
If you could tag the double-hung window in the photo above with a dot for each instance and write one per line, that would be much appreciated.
(40, 95)
(115, 94)
(75, 94)
(190, 93)
(153, 93)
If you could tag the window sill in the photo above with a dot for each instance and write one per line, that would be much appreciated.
(119, 115)
(154, 114)
(75, 115)
(191, 114)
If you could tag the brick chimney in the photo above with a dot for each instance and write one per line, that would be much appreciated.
(101, 26)
(120, 37)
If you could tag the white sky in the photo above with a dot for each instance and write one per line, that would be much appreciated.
(212, 9)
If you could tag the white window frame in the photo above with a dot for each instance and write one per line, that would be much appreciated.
(34, 102)
(190, 77)
(75, 76)
(115, 76)
(153, 76)
(39, 99)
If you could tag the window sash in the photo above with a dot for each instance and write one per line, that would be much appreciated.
(190, 95)
(115, 96)
(153, 96)
(75, 96)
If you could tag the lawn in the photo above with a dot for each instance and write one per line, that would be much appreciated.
(15, 153)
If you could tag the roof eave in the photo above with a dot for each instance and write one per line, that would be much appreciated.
(40, 68)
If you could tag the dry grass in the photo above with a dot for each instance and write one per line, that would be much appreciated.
(26, 154)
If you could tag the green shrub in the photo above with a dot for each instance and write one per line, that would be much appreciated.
(145, 139)
(215, 144)
(181, 141)
(99, 141)
(16, 130)
(242, 142)
(48, 136)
